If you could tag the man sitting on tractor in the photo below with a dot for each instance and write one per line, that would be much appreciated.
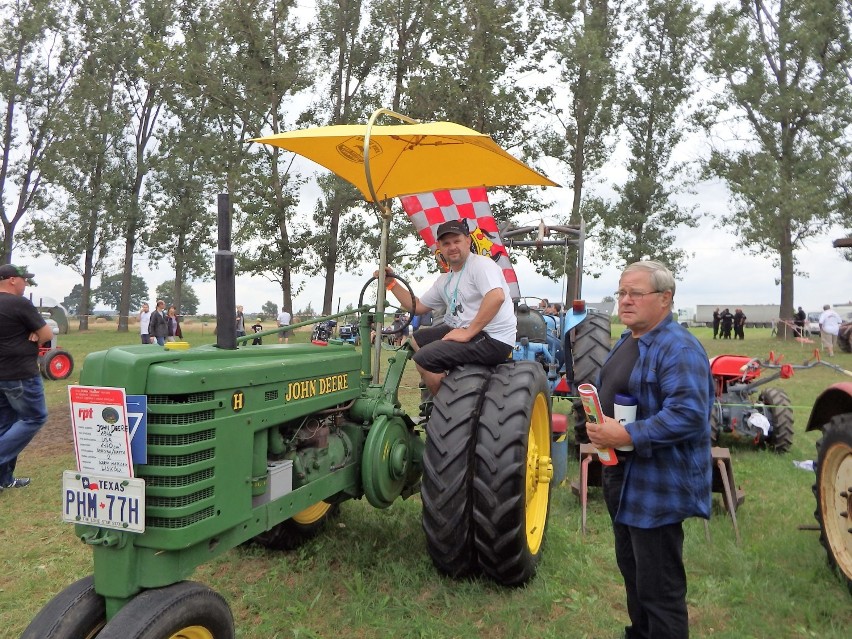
(479, 325)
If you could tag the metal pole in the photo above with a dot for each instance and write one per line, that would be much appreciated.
(226, 302)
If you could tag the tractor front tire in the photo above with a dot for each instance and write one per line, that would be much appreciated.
(833, 492)
(446, 488)
(301, 527)
(780, 417)
(78, 612)
(57, 365)
(513, 473)
(185, 610)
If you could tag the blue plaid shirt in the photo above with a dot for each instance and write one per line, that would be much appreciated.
(668, 477)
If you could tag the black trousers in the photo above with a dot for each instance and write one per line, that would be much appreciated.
(651, 563)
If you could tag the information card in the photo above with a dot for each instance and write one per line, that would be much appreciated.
(101, 430)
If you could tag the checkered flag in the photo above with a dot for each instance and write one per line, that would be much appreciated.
(428, 210)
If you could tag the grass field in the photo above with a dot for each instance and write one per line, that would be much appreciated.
(369, 574)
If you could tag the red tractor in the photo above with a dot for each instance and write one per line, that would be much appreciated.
(767, 423)
(54, 363)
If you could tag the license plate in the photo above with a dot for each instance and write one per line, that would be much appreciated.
(104, 501)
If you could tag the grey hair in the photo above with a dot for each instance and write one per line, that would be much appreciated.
(661, 277)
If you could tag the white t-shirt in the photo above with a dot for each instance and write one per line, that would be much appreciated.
(144, 322)
(283, 318)
(829, 321)
(461, 294)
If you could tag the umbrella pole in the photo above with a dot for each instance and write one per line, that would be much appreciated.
(385, 214)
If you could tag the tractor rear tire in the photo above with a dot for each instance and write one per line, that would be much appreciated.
(513, 473)
(592, 343)
(57, 364)
(715, 423)
(844, 338)
(78, 612)
(833, 492)
(590, 347)
(187, 610)
(447, 482)
(780, 415)
(301, 527)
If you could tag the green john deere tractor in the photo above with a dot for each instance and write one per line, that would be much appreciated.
(265, 442)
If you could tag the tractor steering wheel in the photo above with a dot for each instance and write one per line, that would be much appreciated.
(410, 292)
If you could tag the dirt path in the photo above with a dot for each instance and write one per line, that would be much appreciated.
(54, 438)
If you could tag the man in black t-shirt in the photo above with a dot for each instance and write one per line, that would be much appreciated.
(23, 410)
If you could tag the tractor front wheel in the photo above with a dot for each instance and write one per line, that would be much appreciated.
(513, 473)
(780, 415)
(57, 365)
(293, 532)
(448, 470)
(185, 610)
(78, 612)
(833, 491)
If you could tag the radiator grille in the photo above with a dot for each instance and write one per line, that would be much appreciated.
(181, 440)
(188, 398)
(156, 481)
(178, 502)
(180, 522)
(270, 395)
(173, 461)
(182, 418)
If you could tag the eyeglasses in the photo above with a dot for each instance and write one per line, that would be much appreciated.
(634, 295)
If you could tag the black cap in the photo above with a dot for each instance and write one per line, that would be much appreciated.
(10, 270)
(452, 226)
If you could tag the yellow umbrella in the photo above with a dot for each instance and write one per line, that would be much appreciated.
(408, 158)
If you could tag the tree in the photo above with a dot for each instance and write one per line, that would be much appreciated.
(77, 230)
(73, 299)
(583, 39)
(653, 97)
(110, 291)
(167, 292)
(269, 309)
(782, 66)
(36, 63)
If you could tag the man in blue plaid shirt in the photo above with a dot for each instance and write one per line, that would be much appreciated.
(664, 469)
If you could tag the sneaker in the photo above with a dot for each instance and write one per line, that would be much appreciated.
(18, 482)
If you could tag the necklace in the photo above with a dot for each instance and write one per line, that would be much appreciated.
(452, 300)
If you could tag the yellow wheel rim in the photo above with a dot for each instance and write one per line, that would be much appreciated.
(313, 513)
(193, 632)
(539, 473)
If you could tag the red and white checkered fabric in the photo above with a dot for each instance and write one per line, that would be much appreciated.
(428, 210)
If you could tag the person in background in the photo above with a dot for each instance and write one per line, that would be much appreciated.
(666, 477)
(739, 324)
(717, 320)
(241, 322)
(23, 410)
(257, 327)
(158, 326)
(173, 322)
(799, 320)
(727, 323)
(144, 321)
(284, 319)
(829, 327)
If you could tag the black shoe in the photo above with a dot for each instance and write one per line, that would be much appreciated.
(18, 482)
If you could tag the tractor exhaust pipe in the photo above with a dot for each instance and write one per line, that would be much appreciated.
(226, 297)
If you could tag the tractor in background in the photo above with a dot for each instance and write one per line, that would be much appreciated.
(768, 422)
(54, 363)
(832, 415)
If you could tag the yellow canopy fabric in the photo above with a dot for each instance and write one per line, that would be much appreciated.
(409, 158)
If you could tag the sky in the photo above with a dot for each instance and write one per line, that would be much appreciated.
(718, 275)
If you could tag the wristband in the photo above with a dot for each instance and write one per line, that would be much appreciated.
(389, 286)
